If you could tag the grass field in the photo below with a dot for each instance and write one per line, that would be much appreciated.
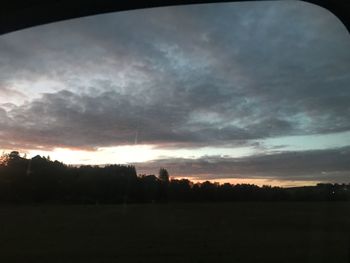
(226, 232)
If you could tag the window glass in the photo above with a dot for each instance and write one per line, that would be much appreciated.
(231, 92)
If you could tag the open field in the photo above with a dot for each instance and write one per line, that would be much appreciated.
(225, 232)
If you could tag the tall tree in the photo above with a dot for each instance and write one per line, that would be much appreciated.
(163, 175)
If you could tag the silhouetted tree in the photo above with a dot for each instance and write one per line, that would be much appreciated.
(41, 180)
(163, 184)
(163, 176)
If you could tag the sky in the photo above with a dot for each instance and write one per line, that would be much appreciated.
(231, 92)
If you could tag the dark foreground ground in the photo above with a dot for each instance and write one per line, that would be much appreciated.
(231, 232)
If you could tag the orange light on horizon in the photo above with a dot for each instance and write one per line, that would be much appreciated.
(256, 181)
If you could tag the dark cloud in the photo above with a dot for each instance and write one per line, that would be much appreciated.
(330, 165)
(67, 119)
(217, 74)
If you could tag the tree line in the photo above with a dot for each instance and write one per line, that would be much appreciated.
(41, 180)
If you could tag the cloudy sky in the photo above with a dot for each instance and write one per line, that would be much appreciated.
(238, 92)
